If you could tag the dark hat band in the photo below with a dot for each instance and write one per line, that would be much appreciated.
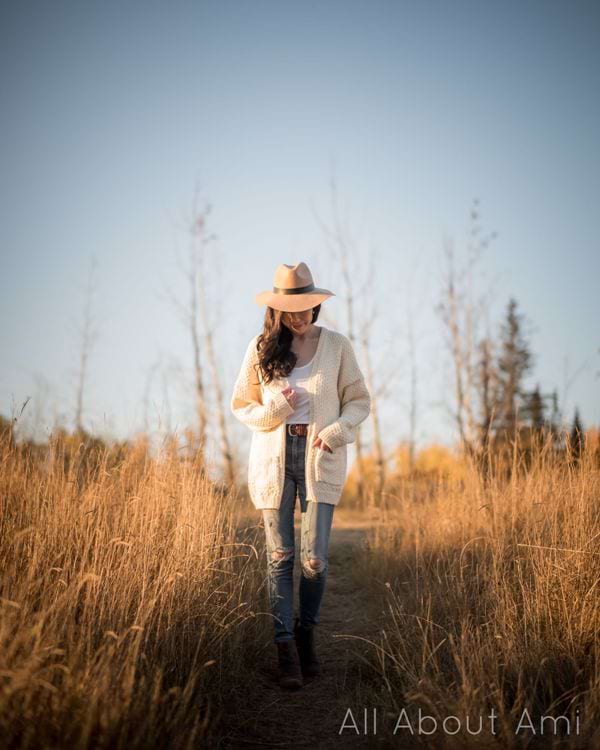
(297, 290)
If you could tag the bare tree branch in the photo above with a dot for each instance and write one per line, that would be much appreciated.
(88, 336)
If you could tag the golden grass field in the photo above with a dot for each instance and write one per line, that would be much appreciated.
(133, 607)
(493, 601)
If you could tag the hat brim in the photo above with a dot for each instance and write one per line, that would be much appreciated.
(293, 302)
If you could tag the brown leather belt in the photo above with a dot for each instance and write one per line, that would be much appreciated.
(297, 429)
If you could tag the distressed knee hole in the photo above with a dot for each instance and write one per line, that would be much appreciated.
(282, 554)
(314, 567)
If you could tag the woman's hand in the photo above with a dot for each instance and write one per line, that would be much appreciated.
(290, 395)
(318, 443)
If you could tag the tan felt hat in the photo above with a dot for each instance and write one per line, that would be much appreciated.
(293, 290)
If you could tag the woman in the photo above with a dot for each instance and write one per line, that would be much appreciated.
(301, 392)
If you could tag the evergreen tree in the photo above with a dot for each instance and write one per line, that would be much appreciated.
(576, 437)
(514, 363)
(535, 409)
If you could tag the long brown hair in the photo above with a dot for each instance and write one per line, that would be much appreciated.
(275, 356)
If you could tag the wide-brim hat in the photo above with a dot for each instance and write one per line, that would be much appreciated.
(293, 289)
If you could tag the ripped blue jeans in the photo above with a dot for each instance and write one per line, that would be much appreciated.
(279, 531)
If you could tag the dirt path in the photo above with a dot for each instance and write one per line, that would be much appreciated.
(312, 716)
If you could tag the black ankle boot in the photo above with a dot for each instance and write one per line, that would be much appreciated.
(305, 643)
(289, 674)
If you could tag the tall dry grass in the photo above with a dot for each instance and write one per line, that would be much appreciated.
(126, 598)
(491, 594)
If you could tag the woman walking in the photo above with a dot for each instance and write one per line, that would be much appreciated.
(301, 392)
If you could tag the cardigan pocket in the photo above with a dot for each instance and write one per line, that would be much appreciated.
(330, 468)
(264, 474)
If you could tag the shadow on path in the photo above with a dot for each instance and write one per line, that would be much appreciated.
(313, 716)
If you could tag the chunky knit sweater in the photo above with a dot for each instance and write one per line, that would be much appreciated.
(339, 402)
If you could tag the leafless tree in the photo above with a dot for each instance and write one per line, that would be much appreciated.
(87, 337)
(150, 375)
(413, 301)
(460, 312)
(202, 326)
(379, 453)
(343, 251)
(361, 313)
(229, 470)
(168, 412)
(413, 408)
(43, 392)
(189, 316)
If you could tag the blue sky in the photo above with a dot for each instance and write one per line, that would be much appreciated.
(113, 113)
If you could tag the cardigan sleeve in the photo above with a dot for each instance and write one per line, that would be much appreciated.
(246, 401)
(355, 401)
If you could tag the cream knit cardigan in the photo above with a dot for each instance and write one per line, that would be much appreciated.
(338, 400)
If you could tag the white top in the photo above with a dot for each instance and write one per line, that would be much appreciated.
(298, 379)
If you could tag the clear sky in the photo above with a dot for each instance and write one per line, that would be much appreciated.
(113, 112)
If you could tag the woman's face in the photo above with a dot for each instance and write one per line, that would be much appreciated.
(298, 322)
